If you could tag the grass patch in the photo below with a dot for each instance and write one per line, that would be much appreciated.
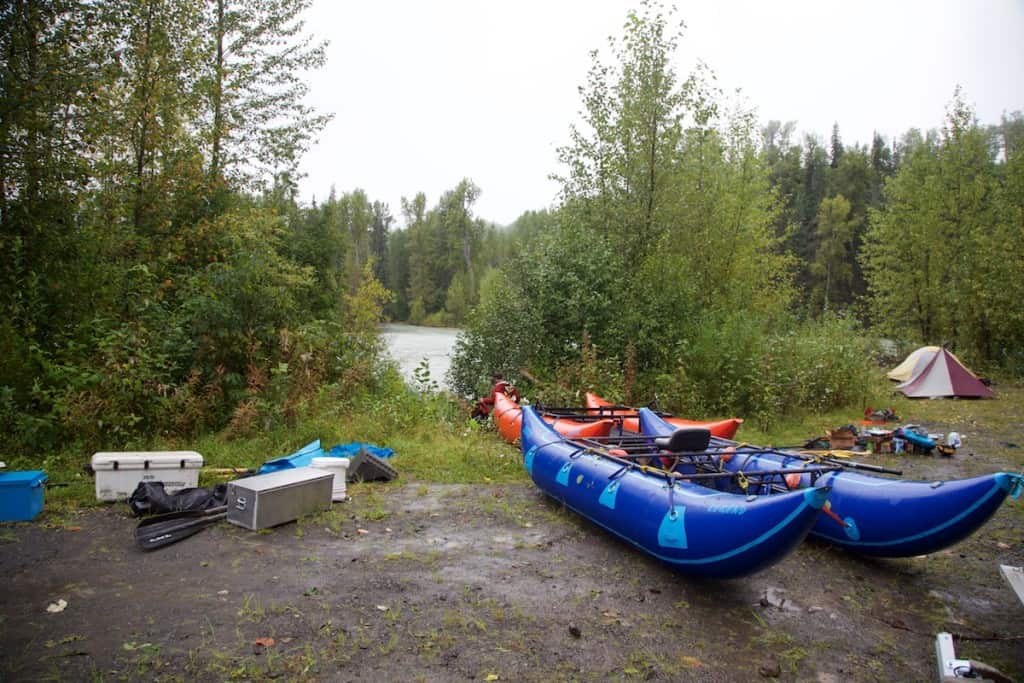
(435, 441)
(992, 427)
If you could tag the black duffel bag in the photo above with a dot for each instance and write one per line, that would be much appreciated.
(150, 498)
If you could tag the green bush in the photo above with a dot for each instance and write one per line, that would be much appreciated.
(738, 362)
(740, 366)
(534, 315)
(119, 387)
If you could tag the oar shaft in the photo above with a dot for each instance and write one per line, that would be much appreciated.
(717, 450)
(181, 515)
(755, 474)
(864, 466)
(627, 460)
(841, 464)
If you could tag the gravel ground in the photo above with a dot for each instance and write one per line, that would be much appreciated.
(416, 582)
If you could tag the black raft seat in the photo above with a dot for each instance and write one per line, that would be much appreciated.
(685, 440)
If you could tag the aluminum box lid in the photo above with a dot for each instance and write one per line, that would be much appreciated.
(144, 460)
(280, 479)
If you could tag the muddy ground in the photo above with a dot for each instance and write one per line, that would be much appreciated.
(410, 582)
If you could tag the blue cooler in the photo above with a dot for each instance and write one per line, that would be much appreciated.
(21, 495)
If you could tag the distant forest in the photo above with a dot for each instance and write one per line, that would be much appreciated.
(161, 275)
(827, 194)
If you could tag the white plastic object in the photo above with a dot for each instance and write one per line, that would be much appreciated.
(949, 665)
(953, 440)
(339, 467)
(118, 474)
(1015, 577)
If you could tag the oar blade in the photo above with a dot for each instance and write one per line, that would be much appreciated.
(166, 532)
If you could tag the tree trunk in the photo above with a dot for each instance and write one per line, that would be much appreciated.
(218, 96)
(143, 132)
(652, 160)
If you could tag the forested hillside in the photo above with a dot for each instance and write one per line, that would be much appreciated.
(161, 276)
(726, 266)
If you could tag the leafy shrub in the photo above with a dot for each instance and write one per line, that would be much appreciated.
(237, 304)
(589, 372)
(534, 314)
(347, 357)
(496, 338)
(740, 366)
(121, 386)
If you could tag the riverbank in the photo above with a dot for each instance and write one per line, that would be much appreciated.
(462, 570)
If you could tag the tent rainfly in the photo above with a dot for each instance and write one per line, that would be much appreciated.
(944, 376)
(913, 364)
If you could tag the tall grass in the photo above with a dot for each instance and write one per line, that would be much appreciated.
(433, 437)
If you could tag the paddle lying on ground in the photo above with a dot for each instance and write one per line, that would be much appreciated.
(160, 530)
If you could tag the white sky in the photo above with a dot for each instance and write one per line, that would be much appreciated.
(426, 92)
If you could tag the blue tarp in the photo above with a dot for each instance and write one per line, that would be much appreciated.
(351, 450)
(304, 456)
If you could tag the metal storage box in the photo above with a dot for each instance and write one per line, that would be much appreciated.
(117, 474)
(274, 498)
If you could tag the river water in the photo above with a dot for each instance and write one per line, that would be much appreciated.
(411, 344)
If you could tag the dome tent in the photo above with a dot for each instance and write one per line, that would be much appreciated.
(913, 364)
(944, 376)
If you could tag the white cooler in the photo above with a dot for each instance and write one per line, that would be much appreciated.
(117, 474)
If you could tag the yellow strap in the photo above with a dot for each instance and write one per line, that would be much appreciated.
(818, 455)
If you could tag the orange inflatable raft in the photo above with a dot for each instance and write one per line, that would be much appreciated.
(509, 417)
(725, 429)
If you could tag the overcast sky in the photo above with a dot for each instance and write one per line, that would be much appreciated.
(426, 92)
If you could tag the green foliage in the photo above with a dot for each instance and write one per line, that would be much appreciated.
(146, 293)
(663, 274)
(422, 379)
(590, 371)
(252, 88)
(320, 240)
(365, 312)
(439, 257)
(740, 365)
(238, 302)
(498, 337)
(161, 280)
(437, 264)
(619, 180)
(944, 257)
(832, 268)
(123, 388)
(456, 301)
(535, 315)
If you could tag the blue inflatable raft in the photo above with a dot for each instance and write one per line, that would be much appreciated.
(875, 515)
(694, 529)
